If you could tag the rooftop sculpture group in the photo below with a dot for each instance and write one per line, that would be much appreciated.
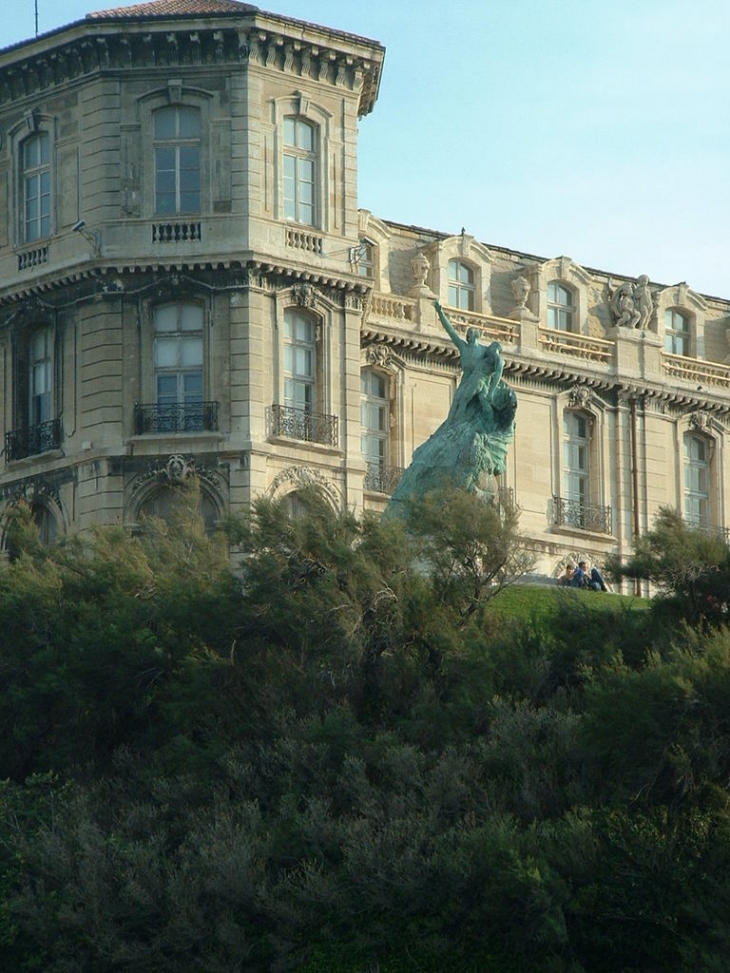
(470, 446)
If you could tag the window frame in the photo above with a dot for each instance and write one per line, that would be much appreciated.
(183, 339)
(299, 157)
(673, 336)
(696, 494)
(578, 472)
(35, 175)
(294, 379)
(369, 401)
(561, 315)
(461, 290)
(178, 143)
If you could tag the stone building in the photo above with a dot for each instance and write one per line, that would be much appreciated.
(187, 283)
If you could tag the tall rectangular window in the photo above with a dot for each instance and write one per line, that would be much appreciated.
(374, 419)
(41, 361)
(177, 160)
(300, 355)
(179, 362)
(36, 187)
(697, 481)
(300, 159)
(576, 458)
(461, 285)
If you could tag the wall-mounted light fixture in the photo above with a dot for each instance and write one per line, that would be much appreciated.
(93, 236)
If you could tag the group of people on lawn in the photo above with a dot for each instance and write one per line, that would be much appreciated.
(582, 576)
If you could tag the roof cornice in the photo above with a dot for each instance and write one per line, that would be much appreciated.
(187, 41)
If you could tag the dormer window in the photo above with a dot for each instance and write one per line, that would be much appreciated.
(366, 258)
(676, 332)
(560, 307)
(461, 286)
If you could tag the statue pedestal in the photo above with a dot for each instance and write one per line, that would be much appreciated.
(637, 353)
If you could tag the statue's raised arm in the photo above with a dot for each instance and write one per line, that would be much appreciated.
(456, 338)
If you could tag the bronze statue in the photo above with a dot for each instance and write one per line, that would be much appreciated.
(470, 446)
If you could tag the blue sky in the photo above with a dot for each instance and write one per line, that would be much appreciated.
(579, 127)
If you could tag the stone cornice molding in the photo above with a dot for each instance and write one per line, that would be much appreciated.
(179, 45)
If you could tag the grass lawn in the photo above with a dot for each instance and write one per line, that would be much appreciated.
(539, 601)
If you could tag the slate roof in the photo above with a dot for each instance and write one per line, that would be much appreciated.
(173, 8)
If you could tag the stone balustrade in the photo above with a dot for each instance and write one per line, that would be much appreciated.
(682, 369)
(572, 345)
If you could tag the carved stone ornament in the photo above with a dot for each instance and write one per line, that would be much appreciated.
(521, 288)
(304, 295)
(579, 397)
(632, 304)
(383, 357)
(178, 468)
(700, 420)
(420, 265)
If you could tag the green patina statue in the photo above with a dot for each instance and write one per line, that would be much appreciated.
(470, 446)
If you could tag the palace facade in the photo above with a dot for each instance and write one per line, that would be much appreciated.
(187, 283)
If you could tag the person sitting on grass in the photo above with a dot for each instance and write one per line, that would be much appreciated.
(583, 578)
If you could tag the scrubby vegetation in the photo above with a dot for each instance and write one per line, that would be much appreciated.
(343, 755)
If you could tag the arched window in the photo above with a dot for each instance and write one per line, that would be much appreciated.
(36, 187)
(161, 505)
(300, 170)
(560, 307)
(461, 286)
(697, 480)
(676, 332)
(177, 146)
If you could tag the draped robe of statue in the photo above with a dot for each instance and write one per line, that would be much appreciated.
(469, 448)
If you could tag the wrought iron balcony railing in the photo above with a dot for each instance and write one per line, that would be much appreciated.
(382, 479)
(311, 427)
(584, 516)
(33, 440)
(181, 417)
